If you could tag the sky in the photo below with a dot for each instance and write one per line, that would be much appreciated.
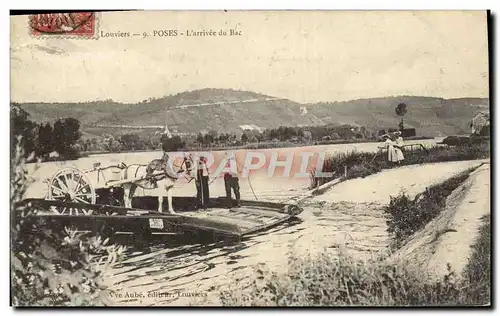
(306, 57)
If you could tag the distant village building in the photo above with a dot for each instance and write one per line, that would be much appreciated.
(407, 132)
(480, 124)
(251, 127)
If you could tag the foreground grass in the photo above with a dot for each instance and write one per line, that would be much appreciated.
(477, 273)
(337, 280)
(333, 280)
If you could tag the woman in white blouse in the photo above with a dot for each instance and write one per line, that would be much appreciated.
(392, 155)
(399, 146)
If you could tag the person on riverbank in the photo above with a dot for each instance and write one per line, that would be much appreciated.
(203, 192)
(231, 180)
(398, 145)
(391, 150)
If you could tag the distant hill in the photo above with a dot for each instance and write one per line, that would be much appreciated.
(226, 110)
(430, 116)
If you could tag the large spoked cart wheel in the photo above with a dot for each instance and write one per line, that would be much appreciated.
(71, 185)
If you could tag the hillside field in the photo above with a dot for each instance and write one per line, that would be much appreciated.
(225, 110)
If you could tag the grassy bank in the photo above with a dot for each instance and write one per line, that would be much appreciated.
(477, 273)
(333, 280)
(362, 164)
(330, 279)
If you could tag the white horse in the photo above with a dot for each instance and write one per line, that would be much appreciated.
(158, 173)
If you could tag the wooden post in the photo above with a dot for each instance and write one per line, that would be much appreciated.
(345, 171)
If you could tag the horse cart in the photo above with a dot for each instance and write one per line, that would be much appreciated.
(93, 200)
(80, 186)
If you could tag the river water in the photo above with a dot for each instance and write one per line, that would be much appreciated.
(173, 272)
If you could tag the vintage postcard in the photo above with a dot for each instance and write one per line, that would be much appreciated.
(250, 158)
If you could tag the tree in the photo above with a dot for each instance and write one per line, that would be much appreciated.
(223, 138)
(21, 125)
(66, 133)
(45, 143)
(130, 141)
(307, 136)
(213, 135)
(259, 136)
(273, 133)
(173, 143)
(244, 138)
(401, 110)
(111, 144)
(300, 132)
(73, 133)
(200, 139)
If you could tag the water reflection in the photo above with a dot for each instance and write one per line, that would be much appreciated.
(169, 265)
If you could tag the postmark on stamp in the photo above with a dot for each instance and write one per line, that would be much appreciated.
(69, 25)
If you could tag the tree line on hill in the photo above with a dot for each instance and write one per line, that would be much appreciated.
(65, 137)
(213, 139)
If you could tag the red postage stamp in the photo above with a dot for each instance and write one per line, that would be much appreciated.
(79, 25)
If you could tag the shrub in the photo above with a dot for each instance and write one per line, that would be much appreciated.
(360, 161)
(53, 267)
(363, 170)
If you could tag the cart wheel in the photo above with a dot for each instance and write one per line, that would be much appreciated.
(71, 185)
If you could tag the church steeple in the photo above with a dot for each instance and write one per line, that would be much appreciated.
(167, 131)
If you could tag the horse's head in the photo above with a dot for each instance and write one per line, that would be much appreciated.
(165, 157)
(190, 165)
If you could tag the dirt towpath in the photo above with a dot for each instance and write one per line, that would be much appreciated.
(356, 206)
(410, 179)
(449, 237)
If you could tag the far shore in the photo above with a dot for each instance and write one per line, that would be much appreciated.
(261, 145)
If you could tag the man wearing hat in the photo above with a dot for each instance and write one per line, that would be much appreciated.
(231, 180)
(203, 193)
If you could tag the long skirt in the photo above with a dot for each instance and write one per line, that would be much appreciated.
(392, 154)
(399, 155)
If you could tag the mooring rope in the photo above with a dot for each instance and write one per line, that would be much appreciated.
(251, 187)
(249, 181)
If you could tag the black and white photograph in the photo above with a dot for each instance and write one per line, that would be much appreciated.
(250, 158)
